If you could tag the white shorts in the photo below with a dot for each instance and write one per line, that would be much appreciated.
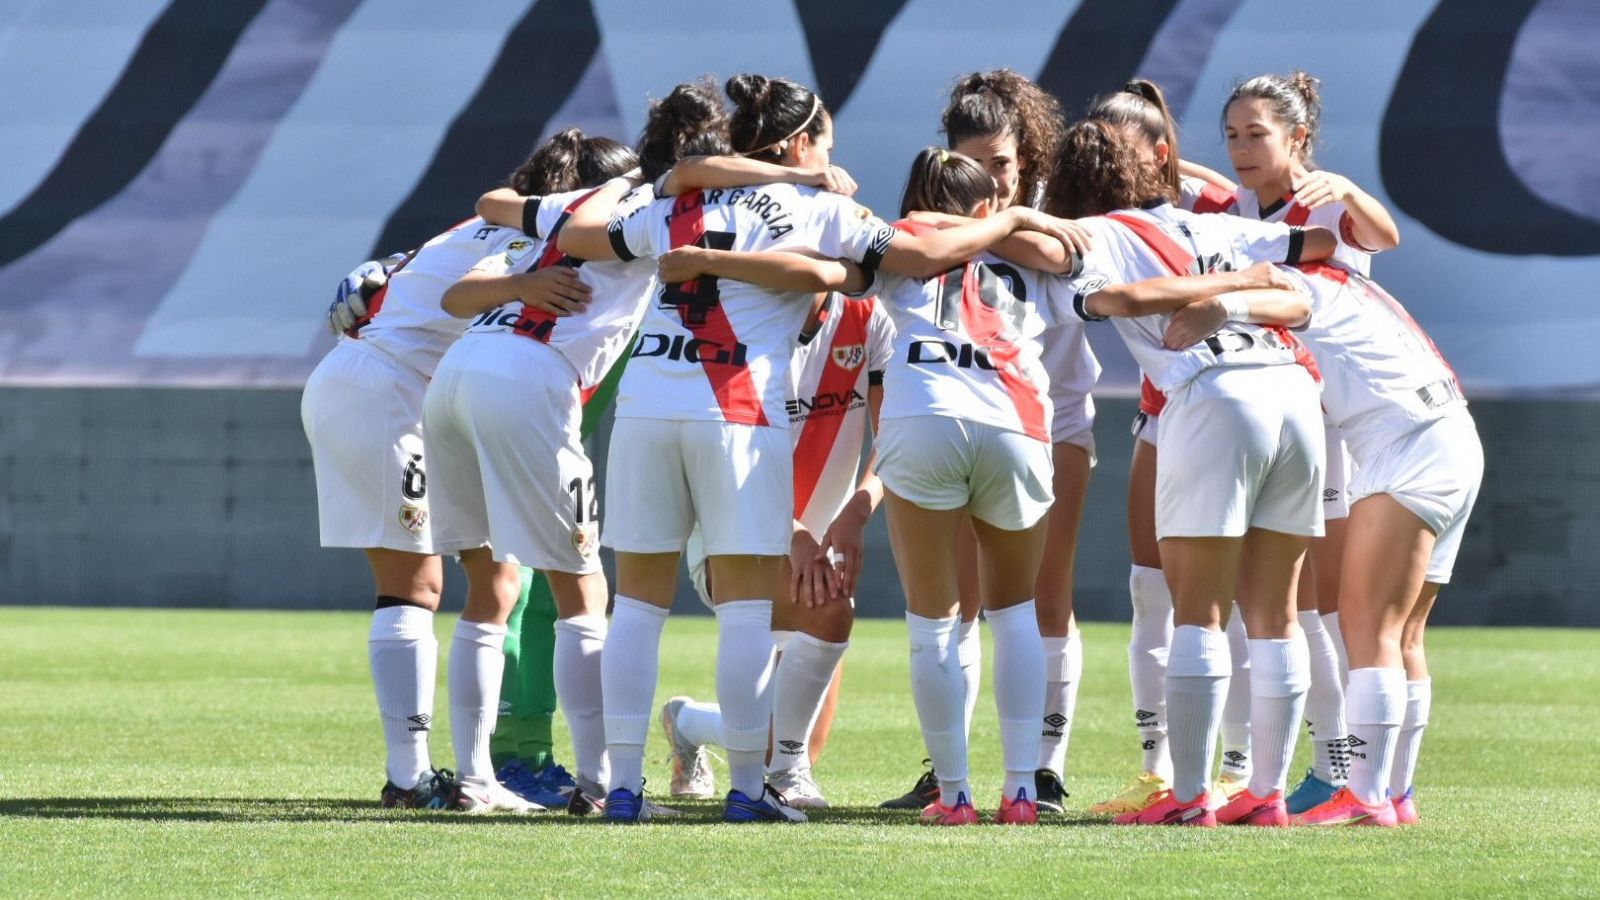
(1336, 479)
(1147, 428)
(504, 417)
(1435, 472)
(1073, 422)
(1243, 448)
(362, 412)
(941, 462)
(736, 481)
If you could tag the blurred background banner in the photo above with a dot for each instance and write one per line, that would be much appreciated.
(184, 181)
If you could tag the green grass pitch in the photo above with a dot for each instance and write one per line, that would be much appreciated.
(162, 752)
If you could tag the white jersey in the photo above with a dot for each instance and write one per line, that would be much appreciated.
(405, 320)
(1383, 377)
(967, 345)
(1201, 196)
(1332, 216)
(591, 340)
(827, 407)
(1133, 245)
(720, 350)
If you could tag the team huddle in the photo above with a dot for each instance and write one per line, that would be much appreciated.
(756, 325)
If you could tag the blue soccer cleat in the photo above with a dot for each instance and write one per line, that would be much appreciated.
(527, 784)
(624, 807)
(769, 807)
(1311, 792)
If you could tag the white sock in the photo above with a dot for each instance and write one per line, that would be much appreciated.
(936, 688)
(1019, 690)
(1330, 622)
(580, 641)
(476, 666)
(404, 656)
(1280, 673)
(1197, 682)
(628, 671)
(804, 671)
(1063, 668)
(1419, 702)
(1236, 710)
(1375, 705)
(1147, 664)
(970, 651)
(781, 639)
(744, 690)
(700, 724)
(1325, 703)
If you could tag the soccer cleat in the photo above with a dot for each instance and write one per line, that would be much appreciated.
(1018, 811)
(527, 784)
(798, 788)
(961, 813)
(582, 803)
(1138, 794)
(1405, 809)
(624, 807)
(555, 777)
(480, 800)
(769, 807)
(691, 766)
(1246, 808)
(1051, 793)
(1225, 788)
(1344, 808)
(924, 792)
(1165, 809)
(427, 794)
(1313, 791)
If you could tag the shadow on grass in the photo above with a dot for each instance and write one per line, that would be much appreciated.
(243, 809)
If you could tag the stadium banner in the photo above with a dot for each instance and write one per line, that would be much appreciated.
(186, 181)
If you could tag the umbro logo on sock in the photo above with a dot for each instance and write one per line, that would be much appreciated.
(1143, 715)
(1055, 720)
(420, 720)
(1354, 741)
(1234, 756)
(792, 748)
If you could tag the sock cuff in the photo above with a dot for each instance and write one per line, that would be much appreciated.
(1026, 609)
(746, 611)
(799, 640)
(401, 623)
(1280, 667)
(1148, 589)
(639, 607)
(485, 633)
(931, 632)
(1198, 651)
(782, 637)
(969, 630)
(1310, 621)
(1419, 702)
(1375, 696)
(586, 625)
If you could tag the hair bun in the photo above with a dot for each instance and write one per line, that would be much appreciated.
(749, 89)
(1308, 86)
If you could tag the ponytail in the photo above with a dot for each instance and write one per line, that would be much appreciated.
(945, 182)
(1141, 105)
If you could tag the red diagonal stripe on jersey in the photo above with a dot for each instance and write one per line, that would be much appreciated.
(818, 435)
(987, 327)
(1298, 215)
(1372, 288)
(1213, 199)
(537, 323)
(1151, 400)
(733, 385)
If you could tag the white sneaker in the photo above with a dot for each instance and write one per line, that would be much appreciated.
(475, 799)
(691, 768)
(798, 788)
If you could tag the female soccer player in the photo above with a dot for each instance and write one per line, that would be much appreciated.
(701, 431)
(362, 412)
(1418, 467)
(1238, 491)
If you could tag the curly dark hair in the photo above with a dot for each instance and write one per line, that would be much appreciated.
(571, 160)
(1001, 102)
(1099, 171)
(1141, 105)
(690, 121)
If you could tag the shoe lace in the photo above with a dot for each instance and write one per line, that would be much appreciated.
(767, 790)
(700, 772)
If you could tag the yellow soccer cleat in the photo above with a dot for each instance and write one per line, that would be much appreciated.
(1139, 793)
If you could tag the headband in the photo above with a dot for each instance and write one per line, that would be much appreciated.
(782, 144)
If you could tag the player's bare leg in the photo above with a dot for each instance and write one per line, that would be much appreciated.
(1063, 644)
(803, 678)
(646, 583)
(1324, 713)
(1419, 703)
(580, 638)
(1202, 574)
(1280, 665)
(1008, 568)
(403, 654)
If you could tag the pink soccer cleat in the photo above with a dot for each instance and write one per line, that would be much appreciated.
(962, 813)
(1405, 809)
(1166, 809)
(1020, 811)
(1344, 808)
(1247, 809)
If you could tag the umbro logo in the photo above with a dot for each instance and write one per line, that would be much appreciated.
(1355, 741)
(1143, 714)
(1055, 720)
(420, 722)
(791, 747)
(1234, 756)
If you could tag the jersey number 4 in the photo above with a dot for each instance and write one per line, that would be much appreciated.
(695, 299)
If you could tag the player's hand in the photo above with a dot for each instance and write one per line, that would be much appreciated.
(845, 537)
(683, 264)
(829, 178)
(809, 581)
(1074, 237)
(1194, 323)
(1268, 276)
(349, 304)
(1319, 188)
(556, 290)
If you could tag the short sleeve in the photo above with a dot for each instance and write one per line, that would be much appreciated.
(540, 214)
(633, 235)
(1272, 242)
(880, 338)
(513, 253)
(1065, 294)
(848, 230)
